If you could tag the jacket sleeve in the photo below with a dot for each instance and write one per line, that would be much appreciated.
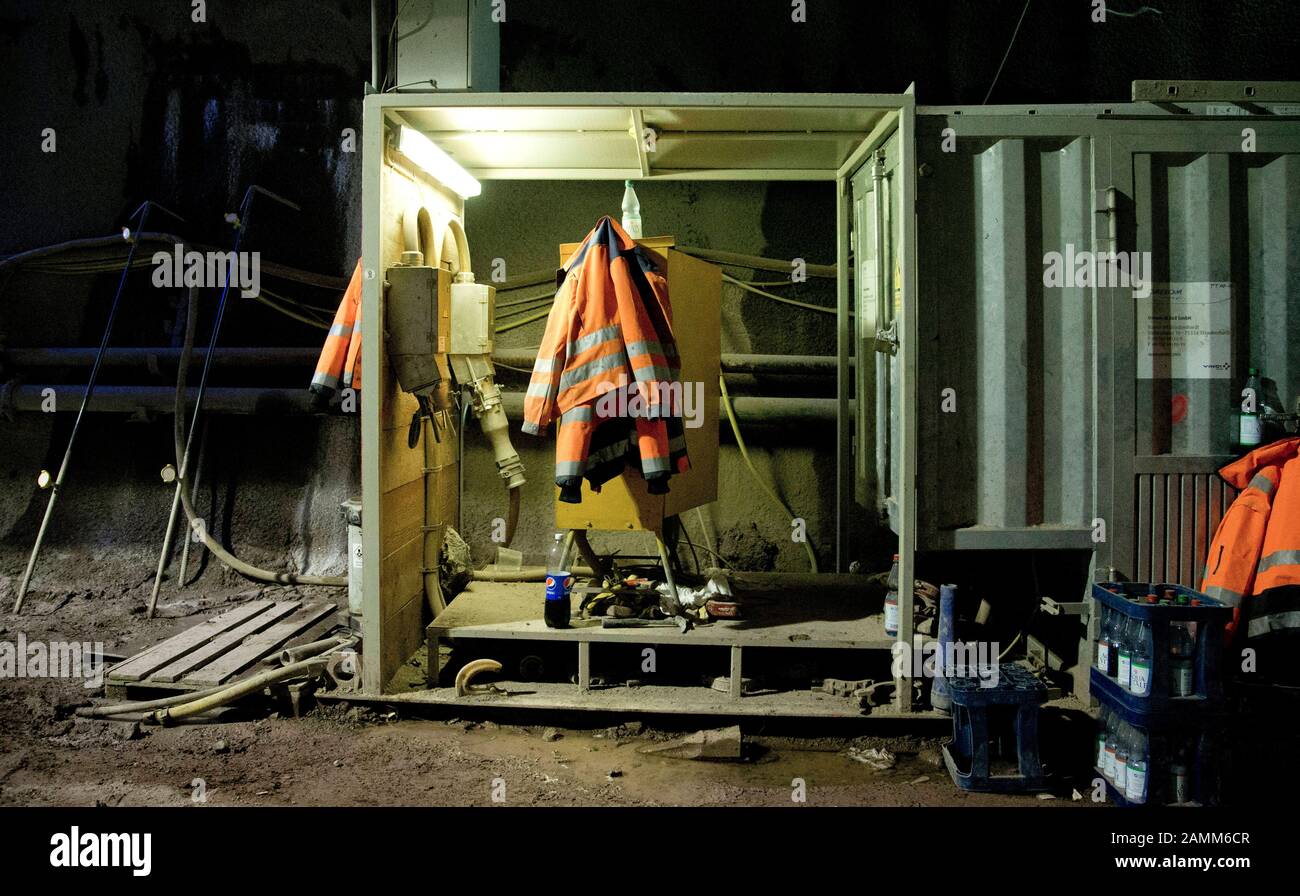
(544, 387)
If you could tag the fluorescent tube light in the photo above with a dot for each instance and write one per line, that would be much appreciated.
(436, 163)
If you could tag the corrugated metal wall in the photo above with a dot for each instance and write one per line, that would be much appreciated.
(1051, 429)
(1017, 450)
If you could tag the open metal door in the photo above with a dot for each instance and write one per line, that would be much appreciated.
(877, 193)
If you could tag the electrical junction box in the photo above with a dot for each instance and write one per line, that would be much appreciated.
(417, 322)
(448, 45)
(473, 309)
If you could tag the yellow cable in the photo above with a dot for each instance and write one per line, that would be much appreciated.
(775, 298)
(744, 453)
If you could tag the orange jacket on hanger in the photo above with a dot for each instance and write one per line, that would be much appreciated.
(1254, 559)
(608, 368)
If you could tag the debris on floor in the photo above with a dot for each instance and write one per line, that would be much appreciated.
(715, 745)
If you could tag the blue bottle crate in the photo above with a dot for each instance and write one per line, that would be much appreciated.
(977, 711)
(1166, 736)
(1210, 619)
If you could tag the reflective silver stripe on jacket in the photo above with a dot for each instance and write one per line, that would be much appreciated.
(1273, 622)
(1278, 558)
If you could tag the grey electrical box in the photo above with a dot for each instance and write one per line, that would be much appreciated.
(449, 45)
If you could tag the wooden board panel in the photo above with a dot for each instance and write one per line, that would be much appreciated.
(695, 290)
(403, 579)
(261, 644)
(217, 646)
(139, 666)
(405, 628)
(403, 515)
(396, 580)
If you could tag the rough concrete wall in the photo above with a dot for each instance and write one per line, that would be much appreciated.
(523, 224)
(147, 103)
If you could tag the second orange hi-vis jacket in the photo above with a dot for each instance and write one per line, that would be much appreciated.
(1254, 559)
(608, 369)
(339, 366)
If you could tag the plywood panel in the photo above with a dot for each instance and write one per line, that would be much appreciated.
(398, 498)
(695, 291)
(402, 517)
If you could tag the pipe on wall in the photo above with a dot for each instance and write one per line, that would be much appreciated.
(159, 399)
(788, 365)
(757, 410)
(249, 356)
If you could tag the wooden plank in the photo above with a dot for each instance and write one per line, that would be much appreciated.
(1159, 528)
(403, 636)
(259, 645)
(402, 463)
(402, 575)
(139, 666)
(215, 647)
(1187, 562)
(1142, 531)
(401, 515)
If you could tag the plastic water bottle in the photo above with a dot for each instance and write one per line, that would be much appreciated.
(1182, 674)
(1112, 644)
(1140, 663)
(1249, 429)
(558, 583)
(1103, 641)
(631, 211)
(1135, 789)
(891, 601)
(1112, 747)
(1104, 721)
(1121, 756)
(1125, 666)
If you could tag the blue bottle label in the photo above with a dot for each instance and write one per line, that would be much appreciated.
(558, 585)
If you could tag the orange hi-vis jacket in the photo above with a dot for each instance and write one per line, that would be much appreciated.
(608, 368)
(340, 358)
(1254, 559)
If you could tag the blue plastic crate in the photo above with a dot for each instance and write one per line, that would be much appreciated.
(1210, 619)
(977, 710)
(1200, 754)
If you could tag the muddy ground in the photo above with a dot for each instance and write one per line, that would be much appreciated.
(339, 755)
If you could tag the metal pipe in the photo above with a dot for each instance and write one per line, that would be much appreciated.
(81, 356)
(194, 498)
(130, 399)
(749, 409)
(797, 365)
(143, 212)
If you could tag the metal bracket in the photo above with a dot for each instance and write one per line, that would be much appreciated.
(1058, 608)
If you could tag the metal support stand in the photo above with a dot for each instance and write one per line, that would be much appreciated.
(143, 212)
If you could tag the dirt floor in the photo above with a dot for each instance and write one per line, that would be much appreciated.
(340, 755)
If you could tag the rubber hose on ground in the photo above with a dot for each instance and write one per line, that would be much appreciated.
(225, 556)
(171, 714)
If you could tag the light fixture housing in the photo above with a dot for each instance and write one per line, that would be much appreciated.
(436, 163)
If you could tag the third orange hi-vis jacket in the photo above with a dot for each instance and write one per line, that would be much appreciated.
(608, 368)
(1254, 559)
(339, 366)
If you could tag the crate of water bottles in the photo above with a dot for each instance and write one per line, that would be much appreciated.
(1156, 760)
(1158, 648)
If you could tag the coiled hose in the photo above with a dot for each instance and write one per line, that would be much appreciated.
(225, 556)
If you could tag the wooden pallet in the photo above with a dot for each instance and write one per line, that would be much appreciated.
(223, 649)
